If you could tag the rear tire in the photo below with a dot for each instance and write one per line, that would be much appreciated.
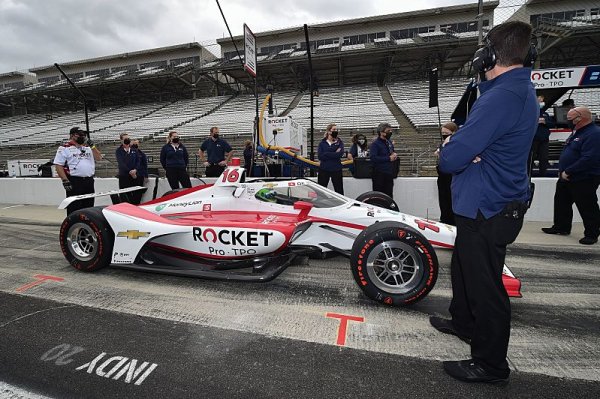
(394, 264)
(379, 199)
(86, 239)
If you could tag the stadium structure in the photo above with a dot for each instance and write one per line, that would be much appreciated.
(365, 71)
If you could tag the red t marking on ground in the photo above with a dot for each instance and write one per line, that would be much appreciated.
(341, 338)
(40, 279)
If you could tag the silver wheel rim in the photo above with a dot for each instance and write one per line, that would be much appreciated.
(82, 242)
(394, 267)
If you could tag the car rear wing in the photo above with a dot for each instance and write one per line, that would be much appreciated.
(114, 194)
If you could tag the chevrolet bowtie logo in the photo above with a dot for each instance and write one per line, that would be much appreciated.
(133, 234)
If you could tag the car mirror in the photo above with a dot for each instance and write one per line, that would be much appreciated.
(304, 208)
(239, 191)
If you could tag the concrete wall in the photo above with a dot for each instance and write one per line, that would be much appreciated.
(416, 196)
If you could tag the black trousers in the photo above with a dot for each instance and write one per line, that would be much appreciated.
(383, 182)
(336, 180)
(81, 185)
(480, 307)
(583, 194)
(540, 152)
(176, 176)
(134, 197)
(444, 181)
(214, 170)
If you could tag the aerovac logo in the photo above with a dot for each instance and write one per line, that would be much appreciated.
(161, 207)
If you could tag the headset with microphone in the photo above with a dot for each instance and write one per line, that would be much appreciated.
(485, 58)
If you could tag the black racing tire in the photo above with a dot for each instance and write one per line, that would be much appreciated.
(394, 264)
(379, 199)
(86, 239)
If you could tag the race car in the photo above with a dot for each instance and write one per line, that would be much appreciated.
(251, 230)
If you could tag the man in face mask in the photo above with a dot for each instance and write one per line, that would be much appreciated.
(75, 165)
(128, 160)
(383, 158)
(539, 148)
(579, 178)
(218, 153)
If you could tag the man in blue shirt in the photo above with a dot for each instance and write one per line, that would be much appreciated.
(579, 178)
(490, 188)
(128, 160)
(383, 160)
(218, 153)
(541, 139)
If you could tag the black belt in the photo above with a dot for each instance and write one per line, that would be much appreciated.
(81, 177)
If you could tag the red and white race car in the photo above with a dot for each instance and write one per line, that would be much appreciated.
(252, 230)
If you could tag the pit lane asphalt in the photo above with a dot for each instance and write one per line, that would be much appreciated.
(227, 339)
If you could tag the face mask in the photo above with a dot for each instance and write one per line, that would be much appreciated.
(127, 141)
(388, 135)
(361, 142)
(216, 136)
(542, 105)
(175, 140)
(334, 134)
(134, 146)
(80, 140)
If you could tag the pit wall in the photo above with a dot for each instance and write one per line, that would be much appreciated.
(414, 195)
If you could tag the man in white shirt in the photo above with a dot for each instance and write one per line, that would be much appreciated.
(75, 165)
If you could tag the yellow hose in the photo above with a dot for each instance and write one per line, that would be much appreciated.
(263, 141)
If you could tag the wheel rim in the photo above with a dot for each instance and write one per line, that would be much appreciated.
(394, 267)
(82, 242)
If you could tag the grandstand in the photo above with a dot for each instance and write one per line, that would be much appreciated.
(366, 71)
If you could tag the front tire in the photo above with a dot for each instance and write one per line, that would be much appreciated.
(379, 199)
(394, 264)
(86, 239)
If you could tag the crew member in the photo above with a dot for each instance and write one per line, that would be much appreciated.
(490, 190)
(75, 165)
(248, 153)
(218, 153)
(330, 152)
(383, 159)
(444, 181)
(579, 177)
(143, 169)
(128, 161)
(358, 149)
(539, 149)
(174, 159)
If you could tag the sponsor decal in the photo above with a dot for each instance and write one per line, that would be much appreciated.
(291, 184)
(121, 257)
(427, 225)
(133, 234)
(269, 219)
(161, 207)
(177, 205)
(244, 238)
(206, 208)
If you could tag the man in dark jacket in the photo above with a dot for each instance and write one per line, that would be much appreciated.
(490, 189)
(128, 160)
(579, 169)
(383, 160)
(330, 151)
(542, 138)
